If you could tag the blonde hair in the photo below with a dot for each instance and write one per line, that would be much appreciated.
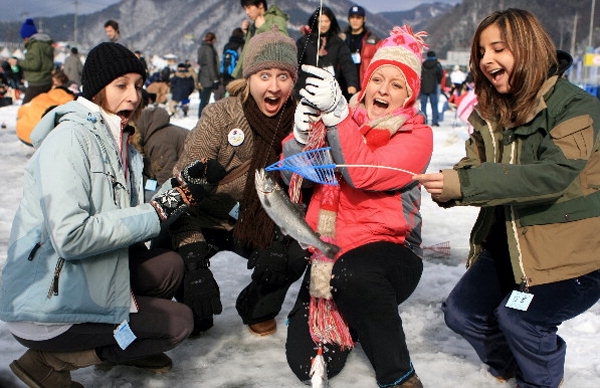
(534, 61)
(239, 86)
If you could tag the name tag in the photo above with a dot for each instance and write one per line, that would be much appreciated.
(356, 58)
(519, 300)
(151, 185)
(235, 211)
(124, 335)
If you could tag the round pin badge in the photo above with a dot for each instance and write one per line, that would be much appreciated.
(235, 137)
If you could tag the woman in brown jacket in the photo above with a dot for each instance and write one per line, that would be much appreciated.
(243, 133)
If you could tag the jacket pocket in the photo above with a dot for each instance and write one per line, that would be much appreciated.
(575, 137)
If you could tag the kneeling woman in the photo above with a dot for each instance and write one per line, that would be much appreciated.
(373, 215)
(77, 268)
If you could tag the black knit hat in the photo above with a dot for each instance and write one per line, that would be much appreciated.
(106, 62)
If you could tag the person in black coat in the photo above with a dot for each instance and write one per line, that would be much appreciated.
(431, 77)
(334, 54)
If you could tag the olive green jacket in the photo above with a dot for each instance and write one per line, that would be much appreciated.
(39, 60)
(274, 16)
(545, 175)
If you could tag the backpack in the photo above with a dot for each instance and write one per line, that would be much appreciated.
(230, 58)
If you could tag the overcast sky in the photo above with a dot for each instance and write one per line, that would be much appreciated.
(17, 10)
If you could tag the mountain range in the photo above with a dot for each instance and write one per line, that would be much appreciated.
(177, 26)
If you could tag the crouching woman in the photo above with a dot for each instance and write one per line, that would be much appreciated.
(79, 286)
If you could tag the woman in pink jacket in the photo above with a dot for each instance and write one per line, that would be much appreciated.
(372, 215)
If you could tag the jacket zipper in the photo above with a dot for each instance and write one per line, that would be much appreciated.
(53, 291)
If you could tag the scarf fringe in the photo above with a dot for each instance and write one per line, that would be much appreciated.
(326, 324)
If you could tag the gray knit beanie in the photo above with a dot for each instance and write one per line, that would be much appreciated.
(106, 62)
(269, 50)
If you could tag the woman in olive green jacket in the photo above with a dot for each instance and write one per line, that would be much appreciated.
(533, 167)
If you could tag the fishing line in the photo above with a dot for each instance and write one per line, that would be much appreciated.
(298, 67)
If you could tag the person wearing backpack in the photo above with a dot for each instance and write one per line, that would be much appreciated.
(208, 76)
(231, 54)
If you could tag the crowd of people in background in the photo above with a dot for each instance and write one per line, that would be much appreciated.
(211, 73)
(178, 196)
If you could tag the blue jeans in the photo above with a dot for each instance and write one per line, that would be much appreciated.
(433, 100)
(512, 342)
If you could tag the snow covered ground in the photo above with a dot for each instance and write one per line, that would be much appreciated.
(228, 356)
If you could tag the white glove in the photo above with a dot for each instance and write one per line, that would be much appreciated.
(304, 115)
(323, 92)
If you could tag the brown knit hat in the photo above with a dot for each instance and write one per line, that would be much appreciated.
(270, 50)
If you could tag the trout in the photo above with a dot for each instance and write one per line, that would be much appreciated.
(288, 215)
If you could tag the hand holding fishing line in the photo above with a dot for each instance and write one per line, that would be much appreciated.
(323, 92)
(433, 183)
(304, 116)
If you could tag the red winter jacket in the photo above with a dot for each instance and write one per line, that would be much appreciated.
(377, 204)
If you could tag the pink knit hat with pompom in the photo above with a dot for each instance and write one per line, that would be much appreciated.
(402, 49)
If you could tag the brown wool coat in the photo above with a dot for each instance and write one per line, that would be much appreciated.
(210, 139)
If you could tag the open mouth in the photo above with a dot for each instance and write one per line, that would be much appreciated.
(272, 102)
(124, 114)
(381, 104)
(497, 73)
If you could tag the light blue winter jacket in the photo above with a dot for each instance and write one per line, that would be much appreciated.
(67, 256)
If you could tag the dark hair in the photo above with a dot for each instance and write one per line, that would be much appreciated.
(238, 33)
(60, 76)
(534, 57)
(313, 21)
(209, 37)
(247, 3)
(113, 24)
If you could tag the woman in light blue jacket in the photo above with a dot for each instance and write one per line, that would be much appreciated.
(79, 286)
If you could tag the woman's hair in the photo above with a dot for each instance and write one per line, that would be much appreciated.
(313, 21)
(238, 33)
(60, 76)
(239, 86)
(534, 61)
(209, 37)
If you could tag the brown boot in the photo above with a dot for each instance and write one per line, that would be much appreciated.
(51, 369)
(264, 328)
(413, 382)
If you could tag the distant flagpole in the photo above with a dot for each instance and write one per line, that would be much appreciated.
(591, 24)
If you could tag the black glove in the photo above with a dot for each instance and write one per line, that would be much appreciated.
(214, 171)
(171, 204)
(200, 290)
(200, 173)
(271, 264)
(188, 190)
